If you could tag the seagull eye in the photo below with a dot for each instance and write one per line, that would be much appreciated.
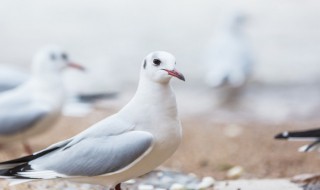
(156, 62)
(64, 56)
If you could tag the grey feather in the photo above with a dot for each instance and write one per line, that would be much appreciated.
(11, 77)
(96, 156)
(17, 115)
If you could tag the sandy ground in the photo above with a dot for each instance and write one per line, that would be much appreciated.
(208, 147)
(216, 139)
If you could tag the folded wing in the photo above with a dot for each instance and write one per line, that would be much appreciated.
(87, 157)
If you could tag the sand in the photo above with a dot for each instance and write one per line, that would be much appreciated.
(207, 148)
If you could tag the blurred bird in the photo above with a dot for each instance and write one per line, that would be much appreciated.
(308, 181)
(86, 92)
(228, 58)
(306, 135)
(130, 143)
(82, 88)
(35, 105)
(11, 77)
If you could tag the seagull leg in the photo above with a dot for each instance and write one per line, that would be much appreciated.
(27, 148)
(118, 187)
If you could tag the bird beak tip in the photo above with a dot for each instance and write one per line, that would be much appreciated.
(76, 66)
(182, 78)
(176, 74)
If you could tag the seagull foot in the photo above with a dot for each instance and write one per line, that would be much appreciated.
(27, 148)
(118, 187)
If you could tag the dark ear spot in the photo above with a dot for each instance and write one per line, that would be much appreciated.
(144, 64)
(64, 56)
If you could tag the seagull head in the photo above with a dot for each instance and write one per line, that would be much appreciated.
(52, 60)
(160, 66)
(236, 21)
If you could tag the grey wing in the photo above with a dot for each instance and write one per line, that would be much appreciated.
(93, 156)
(15, 118)
(11, 77)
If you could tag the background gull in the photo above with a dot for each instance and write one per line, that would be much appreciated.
(130, 143)
(35, 105)
(228, 58)
(83, 88)
(306, 135)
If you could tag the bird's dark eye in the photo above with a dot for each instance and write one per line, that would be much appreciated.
(53, 56)
(156, 62)
(64, 56)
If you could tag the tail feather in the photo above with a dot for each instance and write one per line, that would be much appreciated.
(309, 134)
(10, 169)
(8, 166)
(19, 170)
(13, 173)
(310, 147)
(26, 159)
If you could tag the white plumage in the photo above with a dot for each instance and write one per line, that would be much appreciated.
(130, 143)
(35, 105)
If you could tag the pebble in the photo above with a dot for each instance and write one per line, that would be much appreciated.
(233, 131)
(131, 181)
(156, 180)
(206, 183)
(177, 186)
(235, 172)
(160, 174)
(145, 187)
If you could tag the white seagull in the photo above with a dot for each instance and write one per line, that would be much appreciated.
(35, 105)
(128, 144)
(312, 135)
(228, 57)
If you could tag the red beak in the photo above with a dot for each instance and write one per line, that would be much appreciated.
(175, 73)
(76, 66)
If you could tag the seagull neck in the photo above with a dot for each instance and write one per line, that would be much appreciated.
(154, 90)
(48, 82)
(152, 95)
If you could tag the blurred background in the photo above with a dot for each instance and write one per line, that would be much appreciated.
(111, 37)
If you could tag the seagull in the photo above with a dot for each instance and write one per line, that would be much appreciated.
(35, 105)
(307, 181)
(128, 144)
(306, 135)
(11, 77)
(78, 103)
(228, 61)
(228, 57)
